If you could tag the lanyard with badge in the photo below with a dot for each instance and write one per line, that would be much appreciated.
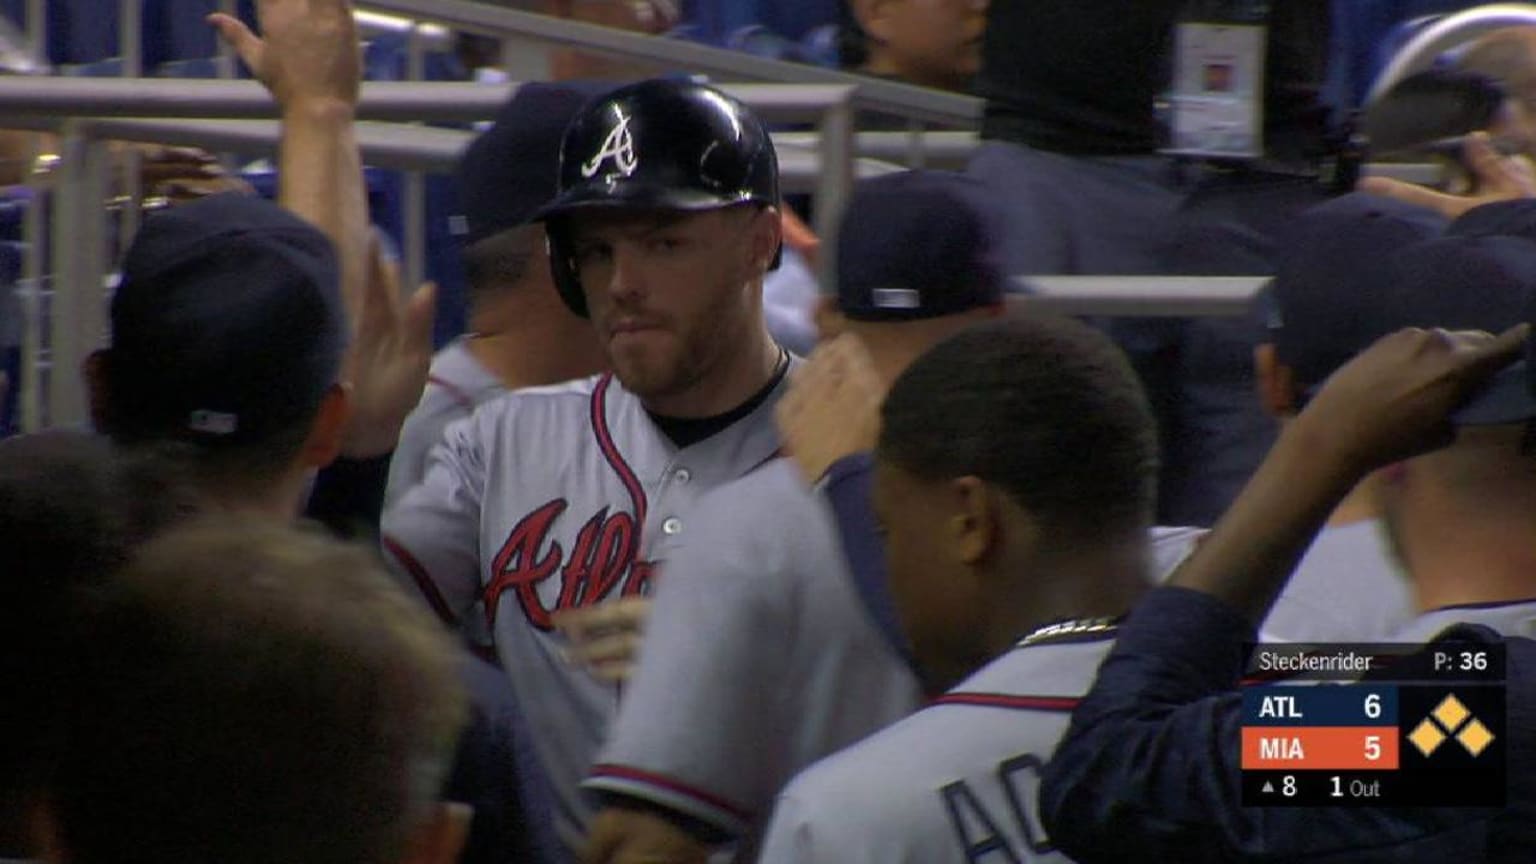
(1216, 96)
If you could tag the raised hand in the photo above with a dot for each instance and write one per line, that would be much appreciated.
(1395, 399)
(389, 360)
(310, 59)
(1496, 178)
(308, 50)
(832, 408)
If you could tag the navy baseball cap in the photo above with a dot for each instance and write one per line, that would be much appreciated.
(1471, 283)
(227, 325)
(918, 244)
(512, 169)
(1503, 218)
(1339, 275)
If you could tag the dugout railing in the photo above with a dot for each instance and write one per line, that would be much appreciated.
(88, 111)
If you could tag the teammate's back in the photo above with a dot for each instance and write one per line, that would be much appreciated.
(1014, 486)
(769, 641)
(955, 781)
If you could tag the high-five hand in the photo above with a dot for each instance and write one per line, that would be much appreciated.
(308, 49)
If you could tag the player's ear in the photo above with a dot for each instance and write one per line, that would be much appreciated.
(767, 238)
(94, 371)
(830, 321)
(329, 427)
(973, 520)
(1275, 381)
(439, 837)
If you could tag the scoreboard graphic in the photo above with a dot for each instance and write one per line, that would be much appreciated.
(1374, 725)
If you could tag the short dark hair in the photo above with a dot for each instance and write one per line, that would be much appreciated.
(1046, 409)
(501, 261)
(252, 693)
(71, 509)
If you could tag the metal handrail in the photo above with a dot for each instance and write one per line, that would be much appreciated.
(433, 37)
(906, 100)
(1140, 296)
(402, 101)
(395, 146)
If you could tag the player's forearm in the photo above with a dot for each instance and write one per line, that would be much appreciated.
(320, 177)
(1247, 558)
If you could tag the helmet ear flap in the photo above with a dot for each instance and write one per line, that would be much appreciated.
(562, 265)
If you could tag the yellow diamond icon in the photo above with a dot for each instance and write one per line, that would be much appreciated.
(1451, 713)
(1475, 737)
(1426, 737)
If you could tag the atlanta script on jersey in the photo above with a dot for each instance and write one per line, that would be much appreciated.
(955, 783)
(556, 498)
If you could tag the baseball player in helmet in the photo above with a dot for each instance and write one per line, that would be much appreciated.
(553, 506)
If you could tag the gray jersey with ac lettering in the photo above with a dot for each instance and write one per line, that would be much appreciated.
(761, 659)
(956, 782)
(556, 498)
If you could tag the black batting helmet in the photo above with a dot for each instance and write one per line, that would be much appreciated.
(658, 144)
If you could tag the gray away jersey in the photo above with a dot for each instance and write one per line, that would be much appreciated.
(1508, 619)
(956, 782)
(760, 659)
(1347, 588)
(557, 498)
(456, 385)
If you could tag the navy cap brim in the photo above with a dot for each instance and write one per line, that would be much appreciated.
(1508, 398)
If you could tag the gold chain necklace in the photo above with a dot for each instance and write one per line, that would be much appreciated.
(1074, 627)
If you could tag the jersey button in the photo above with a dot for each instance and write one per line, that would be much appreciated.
(673, 525)
(683, 475)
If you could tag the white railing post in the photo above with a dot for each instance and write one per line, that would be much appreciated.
(79, 252)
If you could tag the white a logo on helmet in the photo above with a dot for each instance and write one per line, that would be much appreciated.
(618, 147)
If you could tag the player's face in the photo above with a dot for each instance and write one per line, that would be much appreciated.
(932, 590)
(670, 293)
(935, 42)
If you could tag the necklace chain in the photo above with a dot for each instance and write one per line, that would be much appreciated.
(1074, 627)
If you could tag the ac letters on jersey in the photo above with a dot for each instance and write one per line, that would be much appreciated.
(979, 831)
(602, 558)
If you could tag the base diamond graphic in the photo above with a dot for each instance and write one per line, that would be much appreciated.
(1475, 737)
(1426, 736)
(1451, 713)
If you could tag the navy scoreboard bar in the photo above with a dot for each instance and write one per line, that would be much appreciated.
(1374, 725)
